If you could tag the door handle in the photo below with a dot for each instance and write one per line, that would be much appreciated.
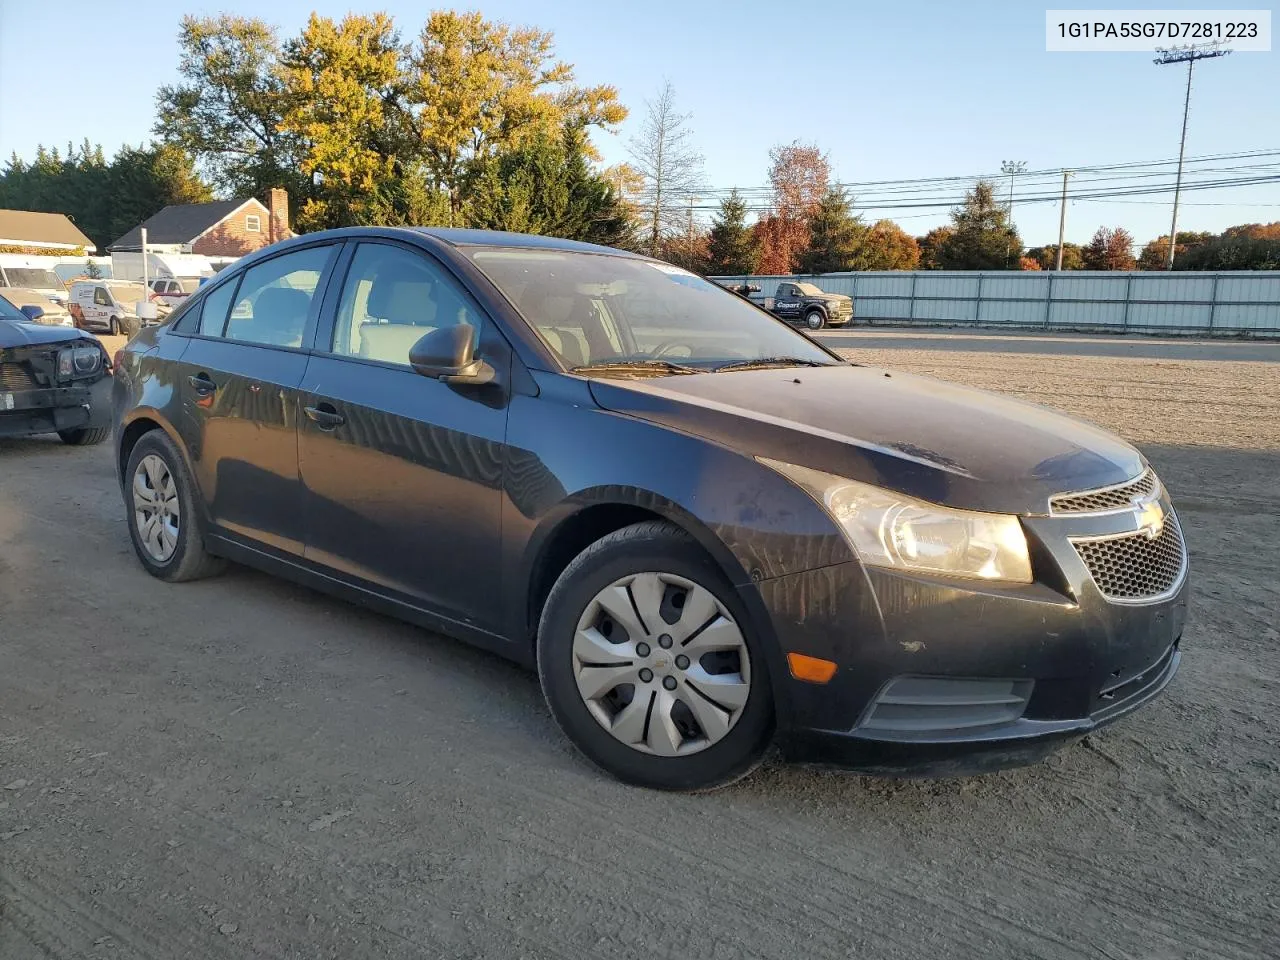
(202, 384)
(326, 416)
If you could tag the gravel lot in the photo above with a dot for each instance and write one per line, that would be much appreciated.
(242, 768)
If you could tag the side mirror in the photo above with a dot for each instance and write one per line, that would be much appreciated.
(32, 311)
(448, 354)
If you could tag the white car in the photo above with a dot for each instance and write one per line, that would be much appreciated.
(37, 306)
(108, 306)
(168, 293)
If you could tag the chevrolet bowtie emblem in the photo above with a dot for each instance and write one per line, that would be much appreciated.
(1150, 516)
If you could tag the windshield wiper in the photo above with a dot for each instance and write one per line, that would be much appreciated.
(635, 366)
(761, 362)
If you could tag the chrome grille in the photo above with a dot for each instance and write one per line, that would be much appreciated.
(16, 376)
(1134, 568)
(1107, 498)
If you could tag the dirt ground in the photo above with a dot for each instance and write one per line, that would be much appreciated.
(242, 768)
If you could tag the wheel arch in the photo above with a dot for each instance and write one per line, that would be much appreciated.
(577, 523)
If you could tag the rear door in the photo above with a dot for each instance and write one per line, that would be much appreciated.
(787, 302)
(403, 473)
(239, 380)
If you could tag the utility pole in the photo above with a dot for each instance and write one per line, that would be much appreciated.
(1062, 218)
(1012, 168)
(1189, 56)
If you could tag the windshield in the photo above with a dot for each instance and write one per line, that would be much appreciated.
(595, 309)
(809, 290)
(9, 312)
(36, 278)
(125, 292)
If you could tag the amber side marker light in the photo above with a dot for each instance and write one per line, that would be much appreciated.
(812, 669)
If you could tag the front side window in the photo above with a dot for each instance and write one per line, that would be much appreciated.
(392, 297)
(274, 298)
(100, 297)
(213, 311)
(593, 309)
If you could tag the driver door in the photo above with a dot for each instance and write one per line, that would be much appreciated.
(403, 474)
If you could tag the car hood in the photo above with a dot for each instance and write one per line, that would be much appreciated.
(13, 334)
(923, 437)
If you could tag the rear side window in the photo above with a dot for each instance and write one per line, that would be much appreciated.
(213, 312)
(274, 298)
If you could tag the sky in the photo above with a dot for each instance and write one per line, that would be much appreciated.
(889, 90)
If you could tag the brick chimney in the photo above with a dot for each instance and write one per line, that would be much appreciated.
(278, 215)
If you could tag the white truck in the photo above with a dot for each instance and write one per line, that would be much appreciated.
(167, 266)
(33, 273)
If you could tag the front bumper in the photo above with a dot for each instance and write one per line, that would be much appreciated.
(942, 677)
(27, 413)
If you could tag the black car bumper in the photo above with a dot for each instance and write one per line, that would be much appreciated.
(26, 413)
(937, 677)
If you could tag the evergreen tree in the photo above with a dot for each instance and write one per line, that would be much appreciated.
(983, 239)
(835, 235)
(732, 248)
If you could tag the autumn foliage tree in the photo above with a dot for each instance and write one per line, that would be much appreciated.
(798, 174)
(886, 246)
(931, 247)
(1047, 256)
(1155, 254)
(1110, 249)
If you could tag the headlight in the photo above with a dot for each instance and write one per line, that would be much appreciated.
(889, 529)
(79, 362)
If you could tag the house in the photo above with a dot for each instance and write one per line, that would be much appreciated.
(41, 233)
(223, 228)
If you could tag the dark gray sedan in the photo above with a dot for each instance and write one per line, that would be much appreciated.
(705, 531)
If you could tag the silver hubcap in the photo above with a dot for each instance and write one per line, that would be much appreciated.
(661, 664)
(155, 508)
(815, 322)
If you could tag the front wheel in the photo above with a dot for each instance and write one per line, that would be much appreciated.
(113, 326)
(85, 436)
(815, 320)
(650, 665)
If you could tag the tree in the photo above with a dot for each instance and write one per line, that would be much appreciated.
(799, 174)
(983, 238)
(835, 235)
(105, 200)
(476, 87)
(1110, 249)
(92, 270)
(886, 246)
(548, 187)
(1029, 263)
(1155, 254)
(732, 249)
(670, 166)
(341, 84)
(1250, 246)
(931, 247)
(1047, 256)
(228, 109)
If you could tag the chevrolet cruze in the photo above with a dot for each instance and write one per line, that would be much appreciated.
(706, 532)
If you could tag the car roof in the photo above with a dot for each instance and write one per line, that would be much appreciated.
(459, 237)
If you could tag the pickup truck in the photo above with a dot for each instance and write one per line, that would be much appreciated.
(804, 303)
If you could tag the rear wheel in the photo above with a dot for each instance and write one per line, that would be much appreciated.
(85, 436)
(113, 326)
(650, 666)
(162, 513)
(815, 320)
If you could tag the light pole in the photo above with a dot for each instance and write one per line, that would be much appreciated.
(1012, 168)
(1189, 56)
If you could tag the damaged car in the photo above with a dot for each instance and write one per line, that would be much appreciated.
(53, 379)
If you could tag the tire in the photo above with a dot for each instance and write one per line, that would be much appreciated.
(187, 559)
(113, 326)
(84, 436)
(815, 320)
(709, 755)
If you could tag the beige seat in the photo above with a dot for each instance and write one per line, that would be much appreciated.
(405, 311)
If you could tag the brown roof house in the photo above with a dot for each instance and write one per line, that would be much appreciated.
(224, 228)
(41, 233)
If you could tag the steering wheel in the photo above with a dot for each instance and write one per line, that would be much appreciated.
(665, 346)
